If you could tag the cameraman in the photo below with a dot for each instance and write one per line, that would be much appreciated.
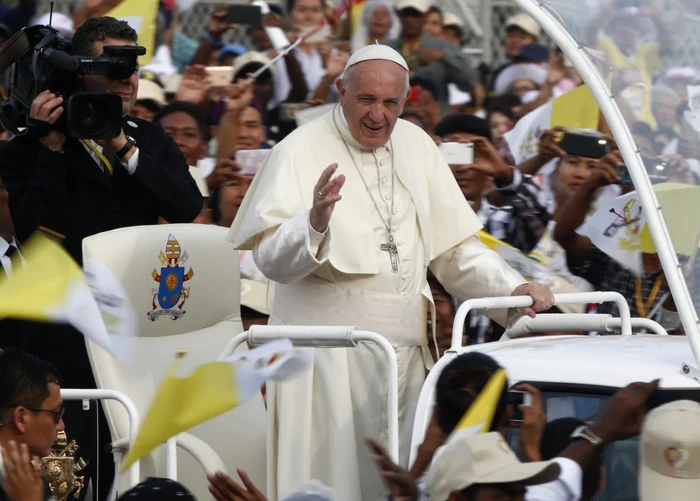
(64, 184)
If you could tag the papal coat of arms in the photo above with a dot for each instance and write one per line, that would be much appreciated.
(170, 296)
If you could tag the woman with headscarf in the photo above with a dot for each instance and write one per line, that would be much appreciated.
(379, 23)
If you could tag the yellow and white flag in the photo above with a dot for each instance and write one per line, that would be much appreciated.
(576, 109)
(530, 269)
(619, 226)
(141, 16)
(52, 288)
(211, 390)
(479, 416)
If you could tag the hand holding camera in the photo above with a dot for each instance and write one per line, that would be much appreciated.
(46, 107)
(549, 148)
(606, 171)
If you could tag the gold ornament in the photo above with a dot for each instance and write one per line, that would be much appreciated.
(60, 467)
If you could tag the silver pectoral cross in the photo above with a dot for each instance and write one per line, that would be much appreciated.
(390, 247)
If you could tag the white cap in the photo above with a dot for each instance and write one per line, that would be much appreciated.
(421, 6)
(62, 23)
(254, 295)
(528, 71)
(251, 57)
(376, 52)
(450, 19)
(669, 455)
(525, 23)
(482, 459)
(151, 91)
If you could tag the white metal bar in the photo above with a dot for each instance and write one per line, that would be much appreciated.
(491, 303)
(638, 323)
(565, 322)
(132, 412)
(633, 161)
(470, 18)
(171, 458)
(332, 337)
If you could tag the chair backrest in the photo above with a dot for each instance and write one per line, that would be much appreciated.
(183, 281)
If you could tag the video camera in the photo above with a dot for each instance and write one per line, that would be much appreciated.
(37, 58)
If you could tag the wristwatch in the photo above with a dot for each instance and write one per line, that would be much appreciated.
(584, 433)
(130, 143)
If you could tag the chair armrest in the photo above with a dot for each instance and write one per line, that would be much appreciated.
(202, 452)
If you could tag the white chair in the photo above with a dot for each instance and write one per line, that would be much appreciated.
(152, 262)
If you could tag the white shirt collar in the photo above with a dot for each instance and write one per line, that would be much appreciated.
(4, 245)
(484, 211)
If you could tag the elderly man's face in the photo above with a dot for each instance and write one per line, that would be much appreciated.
(373, 98)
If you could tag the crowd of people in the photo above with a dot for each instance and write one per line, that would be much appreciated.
(193, 146)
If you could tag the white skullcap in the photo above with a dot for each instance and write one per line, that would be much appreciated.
(376, 51)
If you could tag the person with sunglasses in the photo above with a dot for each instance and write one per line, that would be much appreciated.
(31, 415)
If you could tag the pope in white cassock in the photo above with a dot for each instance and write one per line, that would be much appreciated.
(355, 249)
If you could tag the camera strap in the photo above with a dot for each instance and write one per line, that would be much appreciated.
(13, 50)
(103, 158)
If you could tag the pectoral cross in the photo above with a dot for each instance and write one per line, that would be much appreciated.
(390, 247)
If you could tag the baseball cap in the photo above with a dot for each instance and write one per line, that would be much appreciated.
(670, 453)
(533, 53)
(250, 58)
(232, 48)
(421, 6)
(149, 90)
(525, 23)
(482, 459)
(450, 19)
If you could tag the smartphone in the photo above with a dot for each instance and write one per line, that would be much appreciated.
(288, 111)
(457, 153)
(656, 170)
(319, 35)
(250, 15)
(585, 145)
(666, 395)
(220, 76)
(251, 161)
(516, 399)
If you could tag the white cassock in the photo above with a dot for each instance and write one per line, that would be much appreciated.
(318, 422)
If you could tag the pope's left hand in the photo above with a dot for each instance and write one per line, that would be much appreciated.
(543, 299)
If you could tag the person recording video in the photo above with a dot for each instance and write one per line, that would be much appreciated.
(78, 187)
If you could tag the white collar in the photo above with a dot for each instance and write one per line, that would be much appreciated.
(484, 211)
(345, 132)
(4, 245)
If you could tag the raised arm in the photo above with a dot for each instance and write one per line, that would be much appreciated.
(573, 213)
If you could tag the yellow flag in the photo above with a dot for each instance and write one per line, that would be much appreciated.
(577, 109)
(182, 403)
(141, 16)
(213, 389)
(50, 287)
(36, 291)
(479, 416)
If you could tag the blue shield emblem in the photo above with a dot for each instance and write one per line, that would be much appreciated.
(171, 280)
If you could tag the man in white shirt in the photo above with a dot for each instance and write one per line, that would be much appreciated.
(366, 266)
(31, 415)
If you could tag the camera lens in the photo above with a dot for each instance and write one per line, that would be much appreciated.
(94, 115)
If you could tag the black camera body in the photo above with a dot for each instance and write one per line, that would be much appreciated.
(37, 59)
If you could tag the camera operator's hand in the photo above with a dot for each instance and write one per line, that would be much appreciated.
(605, 172)
(46, 107)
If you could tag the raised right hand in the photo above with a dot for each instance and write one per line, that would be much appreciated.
(326, 194)
(46, 107)
(605, 172)
(218, 24)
